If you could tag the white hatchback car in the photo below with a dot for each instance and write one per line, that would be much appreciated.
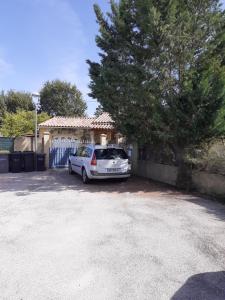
(100, 162)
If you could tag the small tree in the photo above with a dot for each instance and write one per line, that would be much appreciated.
(60, 98)
(20, 123)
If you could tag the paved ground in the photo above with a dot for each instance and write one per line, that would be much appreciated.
(60, 239)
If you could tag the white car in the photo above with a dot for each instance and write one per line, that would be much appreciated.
(100, 162)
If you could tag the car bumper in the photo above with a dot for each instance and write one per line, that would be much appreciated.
(108, 175)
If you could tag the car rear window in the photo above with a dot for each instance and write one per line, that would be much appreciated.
(110, 153)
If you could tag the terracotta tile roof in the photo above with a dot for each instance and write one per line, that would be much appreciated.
(104, 121)
(67, 122)
(104, 118)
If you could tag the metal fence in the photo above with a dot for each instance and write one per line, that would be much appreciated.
(60, 151)
(67, 143)
(6, 144)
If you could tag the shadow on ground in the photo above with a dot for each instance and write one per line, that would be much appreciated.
(59, 180)
(204, 286)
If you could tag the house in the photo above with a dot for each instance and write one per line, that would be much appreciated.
(98, 130)
(65, 131)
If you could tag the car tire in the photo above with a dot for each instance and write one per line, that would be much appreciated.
(124, 179)
(70, 169)
(85, 178)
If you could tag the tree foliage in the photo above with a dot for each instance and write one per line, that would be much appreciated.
(20, 123)
(161, 75)
(16, 100)
(2, 106)
(11, 101)
(60, 98)
(98, 111)
(220, 123)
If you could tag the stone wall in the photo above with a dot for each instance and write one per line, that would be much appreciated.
(208, 183)
(204, 182)
(158, 172)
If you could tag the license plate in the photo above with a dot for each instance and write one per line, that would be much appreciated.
(113, 170)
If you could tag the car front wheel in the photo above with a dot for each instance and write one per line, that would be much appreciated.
(85, 177)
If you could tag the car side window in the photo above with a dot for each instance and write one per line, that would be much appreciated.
(88, 152)
(79, 150)
(82, 152)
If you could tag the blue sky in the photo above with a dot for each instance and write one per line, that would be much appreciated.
(47, 39)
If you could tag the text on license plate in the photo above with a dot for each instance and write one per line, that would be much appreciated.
(112, 170)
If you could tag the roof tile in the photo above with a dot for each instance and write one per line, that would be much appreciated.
(104, 121)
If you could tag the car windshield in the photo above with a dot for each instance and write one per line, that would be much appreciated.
(110, 153)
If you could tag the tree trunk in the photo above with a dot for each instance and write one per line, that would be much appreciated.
(184, 172)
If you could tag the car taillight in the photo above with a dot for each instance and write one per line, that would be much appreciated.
(94, 160)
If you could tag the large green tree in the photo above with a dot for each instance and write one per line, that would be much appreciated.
(21, 122)
(61, 98)
(161, 72)
(12, 100)
(16, 100)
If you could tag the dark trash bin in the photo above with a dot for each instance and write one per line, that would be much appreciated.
(16, 162)
(28, 161)
(40, 162)
(4, 163)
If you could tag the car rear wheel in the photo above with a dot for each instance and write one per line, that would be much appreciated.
(85, 177)
(70, 169)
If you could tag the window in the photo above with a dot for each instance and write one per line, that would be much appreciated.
(79, 151)
(88, 152)
(110, 153)
(84, 152)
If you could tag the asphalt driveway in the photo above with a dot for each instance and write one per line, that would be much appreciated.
(60, 239)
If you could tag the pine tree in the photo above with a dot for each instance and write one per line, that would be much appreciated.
(159, 76)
